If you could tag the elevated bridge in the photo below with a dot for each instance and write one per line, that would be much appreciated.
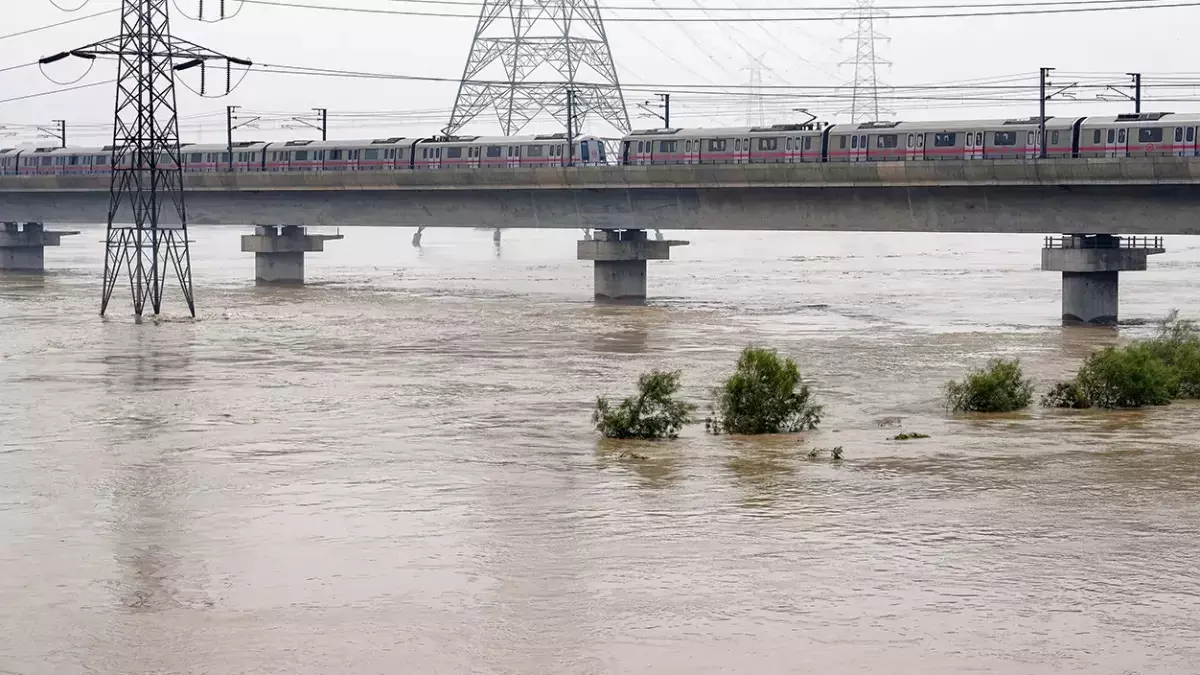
(1147, 196)
(1095, 203)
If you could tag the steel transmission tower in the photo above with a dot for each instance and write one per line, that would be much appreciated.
(528, 54)
(864, 97)
(146, 168)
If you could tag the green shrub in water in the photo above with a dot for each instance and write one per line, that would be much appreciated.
(1126, 377)
(764, 395)
(654, 413)
(1066, 395)
(1001, 387)
(1177, 345)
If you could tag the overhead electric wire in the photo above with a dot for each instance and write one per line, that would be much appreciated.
(77, 19)
(697, 7)
(1054, 8)
(56, 91)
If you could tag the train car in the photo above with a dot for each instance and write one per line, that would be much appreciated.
(10, 161)
(210, 158)
(776, 144)
(1139, 135)
(978, 139)
(473, 152)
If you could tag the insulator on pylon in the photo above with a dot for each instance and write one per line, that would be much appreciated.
(203, 77)
(228, 76)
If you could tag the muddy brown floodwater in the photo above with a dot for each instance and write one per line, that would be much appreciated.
(392, 471)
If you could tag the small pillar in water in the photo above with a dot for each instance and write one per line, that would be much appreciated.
(620, 259)
(1090, 266)
(23, 249)
(279, 252)
(417, 237)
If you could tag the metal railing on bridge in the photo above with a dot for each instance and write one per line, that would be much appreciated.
(1104, 241)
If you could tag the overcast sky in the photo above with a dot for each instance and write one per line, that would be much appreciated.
(921, 51)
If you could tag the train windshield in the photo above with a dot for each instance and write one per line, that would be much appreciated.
(603, 158)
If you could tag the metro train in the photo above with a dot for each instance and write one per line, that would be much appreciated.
(1131, 135)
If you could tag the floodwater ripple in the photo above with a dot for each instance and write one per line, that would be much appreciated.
(392, 471)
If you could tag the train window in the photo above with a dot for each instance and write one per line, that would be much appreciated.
(1053, 138)
(1149, 135)
(854, 142)
(1178, 134)
(716, 145)
(101, 159)
(808, 143)
(1005, 138)
(945, 139)
(767, 144)
(887, 140)
(46, 161)
(842, 142)
(1121, 136)
(979, 139)
(789, 143)
(437, 153)
(453, 153)
(737, 145)
(910, 140)
(73, 160)
(533, 151)
(301, 155)
(1191, 134)
(1096, 136)
(640, 146)
(1112, 135)
(371, 153)
(688, 146)
(493, 151)
(666, 146)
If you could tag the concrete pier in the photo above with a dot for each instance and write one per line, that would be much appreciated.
(620, 262)
(23, 248)
(279, 252)
(1090, 266)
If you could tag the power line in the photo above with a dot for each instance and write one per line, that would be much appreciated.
(1055, 8)
(77, 19)
(56, 91)
(696, 7)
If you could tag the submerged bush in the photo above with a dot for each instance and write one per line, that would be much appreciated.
(1001, 387)
(1126, 377)
(653, 413)
(1066, 395)
(1177, 345)
(907, 436)
(765, 395)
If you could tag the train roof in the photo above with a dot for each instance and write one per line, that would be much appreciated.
(955, 125)
(705, 132)
(390, 142)
(243, 146)
(511, 140)
(1135, 118)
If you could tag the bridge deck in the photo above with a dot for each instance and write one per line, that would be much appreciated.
(1147, 196)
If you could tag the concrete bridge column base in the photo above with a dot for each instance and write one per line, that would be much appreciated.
(23, 249)
(279, 252)
(620, 262)
(1091, 267)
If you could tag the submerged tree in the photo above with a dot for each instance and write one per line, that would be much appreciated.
(1125, 377)
(1001, 387)
(1177, 345)
(765, 395)
(654, 413)
(1066, 395)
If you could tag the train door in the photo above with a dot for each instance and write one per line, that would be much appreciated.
(513, 153)
(585, 153)
(1190, 142)
(910, 146)
(1179, 147)
(1110, 143)
(858, 148)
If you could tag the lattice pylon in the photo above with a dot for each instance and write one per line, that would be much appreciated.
(526, 55)
(146, 170)
(864, 95)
